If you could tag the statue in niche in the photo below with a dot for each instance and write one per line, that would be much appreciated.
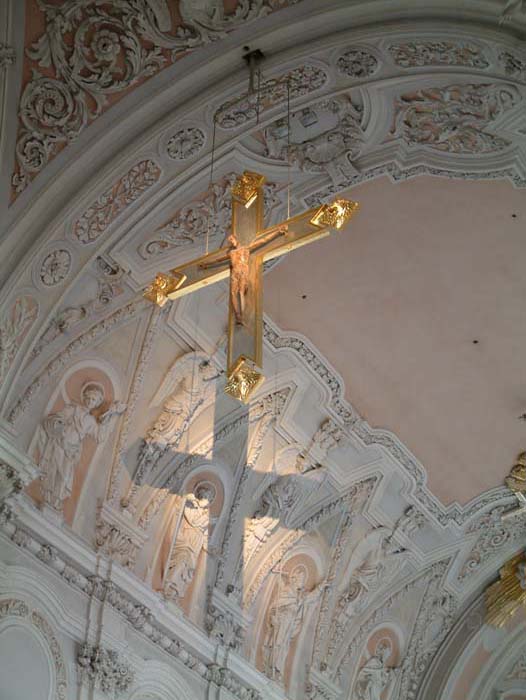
(286, 615)
(60, 437)
(184, 390)
(375, 558)
(191, 538)
(375, 676)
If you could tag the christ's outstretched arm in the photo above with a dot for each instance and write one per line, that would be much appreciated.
(270, 236)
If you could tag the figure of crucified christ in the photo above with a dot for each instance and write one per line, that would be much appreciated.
(239, 256)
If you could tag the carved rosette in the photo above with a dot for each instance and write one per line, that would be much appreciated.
(185, 143)
(357, 63)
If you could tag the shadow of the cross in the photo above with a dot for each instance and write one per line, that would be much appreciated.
(211, 502)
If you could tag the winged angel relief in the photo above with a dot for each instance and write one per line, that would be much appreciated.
(94, 49)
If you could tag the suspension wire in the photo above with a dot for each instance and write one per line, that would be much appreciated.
(210, 183)
(288, 148)
(258, 96)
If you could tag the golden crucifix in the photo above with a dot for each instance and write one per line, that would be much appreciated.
(249, 246)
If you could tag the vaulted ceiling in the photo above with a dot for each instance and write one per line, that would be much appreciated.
(370, 465)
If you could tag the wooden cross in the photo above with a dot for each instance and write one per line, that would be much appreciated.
(249, 246)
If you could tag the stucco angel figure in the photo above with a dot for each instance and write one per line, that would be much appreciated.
(375, 676)
(377, 557)
(61, 435)
(185, 389)
(286, 615)
(191, 538)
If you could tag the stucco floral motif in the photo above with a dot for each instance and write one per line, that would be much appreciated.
(454, 118)
(357, 63)
(55, 267)
(185, 143)
(297, 82)
(413, 54)
(108, 287)
(13, 327)
(107, 207)
(104, 669)
(513, 65)
(92, 51)
(7, 55)
(207, 215)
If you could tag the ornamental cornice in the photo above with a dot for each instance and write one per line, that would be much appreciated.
(189, 645)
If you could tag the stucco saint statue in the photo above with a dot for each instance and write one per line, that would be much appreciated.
(61, 435)
(286, 615)
(191, 538)
(375, 676)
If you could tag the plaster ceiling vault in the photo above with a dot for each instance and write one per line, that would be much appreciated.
(334, 539)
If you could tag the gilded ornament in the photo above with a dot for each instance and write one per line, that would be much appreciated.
(248, 247)
(506, 596)
(245, 187)
(162, 286)
(516, 481)
(336, 214)
(243, 380)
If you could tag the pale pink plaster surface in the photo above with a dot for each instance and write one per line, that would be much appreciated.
(395, 301)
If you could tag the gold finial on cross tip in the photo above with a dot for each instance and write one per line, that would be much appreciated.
(243, 380)
(163, 285)
(335, 214)
(245, 187)
(516, 481)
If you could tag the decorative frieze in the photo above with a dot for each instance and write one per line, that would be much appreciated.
(112, 202)
(417, 54)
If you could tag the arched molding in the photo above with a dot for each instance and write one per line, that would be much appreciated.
(163, 682)
(160, 91)
(469, 633)
(14, 612)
